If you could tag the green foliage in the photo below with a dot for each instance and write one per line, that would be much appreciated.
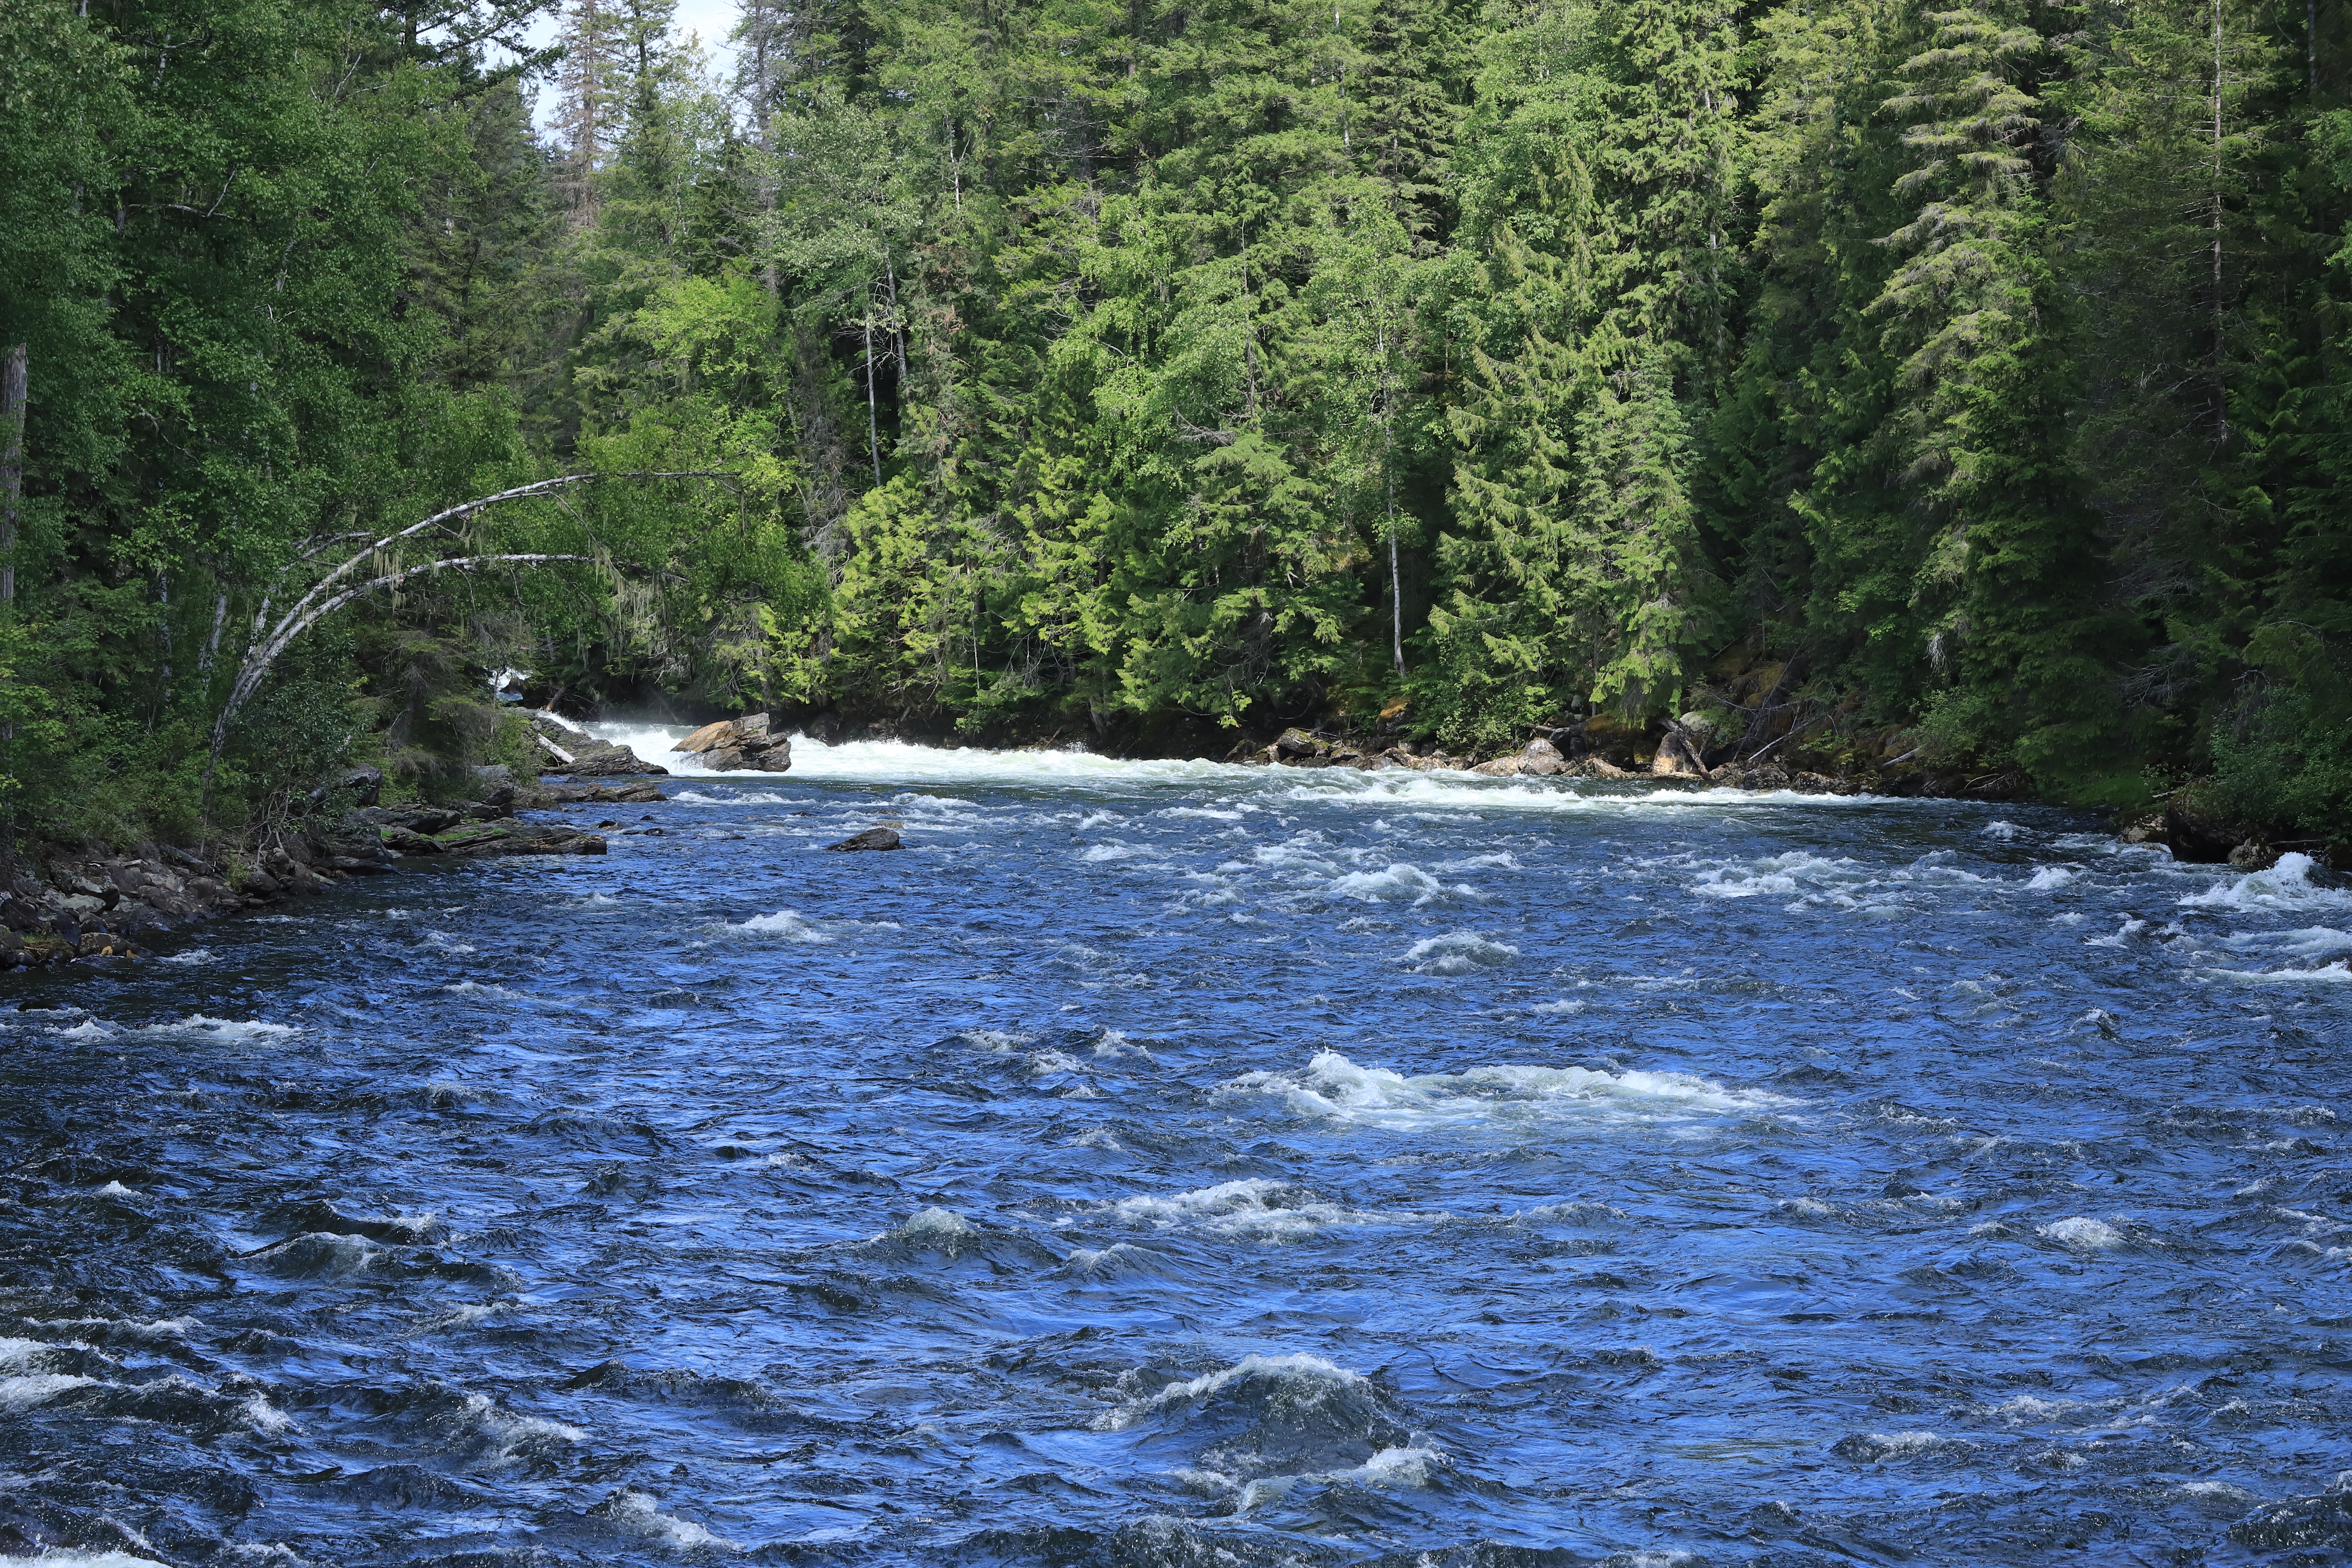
(1251, 361)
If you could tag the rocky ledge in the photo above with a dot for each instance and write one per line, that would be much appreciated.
(737, 744)
(58, 903)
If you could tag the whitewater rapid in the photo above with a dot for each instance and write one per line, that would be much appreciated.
(1165, 1164)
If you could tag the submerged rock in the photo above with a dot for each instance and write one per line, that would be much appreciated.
(872, 839)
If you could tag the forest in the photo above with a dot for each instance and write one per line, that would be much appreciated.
(1162, 373)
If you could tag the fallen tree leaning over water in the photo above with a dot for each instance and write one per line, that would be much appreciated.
(269, 639)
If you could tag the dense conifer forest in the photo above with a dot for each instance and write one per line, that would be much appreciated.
(1969, 381)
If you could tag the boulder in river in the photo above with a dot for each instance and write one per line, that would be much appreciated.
(564, 750)
(872, 839)
(732, 744)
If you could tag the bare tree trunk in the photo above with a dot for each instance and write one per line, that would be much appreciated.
(873, 434)
(212, 643)
(898, 331)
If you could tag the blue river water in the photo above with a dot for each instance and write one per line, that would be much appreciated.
(1167, 1164)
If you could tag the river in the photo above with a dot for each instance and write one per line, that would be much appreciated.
(1165, 1165)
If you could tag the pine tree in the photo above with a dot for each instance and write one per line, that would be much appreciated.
(591, 84)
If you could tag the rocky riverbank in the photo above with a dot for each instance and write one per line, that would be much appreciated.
(61, 902)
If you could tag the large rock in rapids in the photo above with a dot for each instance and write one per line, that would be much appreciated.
(872, 839)
(584, 756)
(735, 744)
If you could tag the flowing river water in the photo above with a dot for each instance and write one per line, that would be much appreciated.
(1166, 1164)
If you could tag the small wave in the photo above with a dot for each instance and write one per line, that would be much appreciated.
(2004, 831)
(642, 1515)
(1562, 1005)
(1402, 1466)
(2085, 1233)
(192, 956)
(2285, 885)
(934, 1227)
(1775, 874)
(785, 923)
(2335, 974)
(222, 1028)
(1337, 1090)
(1457, 953)
(28, 1389)
(2310, 941)
(1401, 881)
(1871, 1447)
(2050, 877)
(743, 797)
(1304, 1377)
(1255, 1207)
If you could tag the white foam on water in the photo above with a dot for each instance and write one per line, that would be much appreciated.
(785, 923)
(899, 762)
(442, 942)
(1336, 1090)
(2131, 927)
(264, 1416)
(116, 1190)
(2336, 973)
(1774, 874)
(1457, 953)
(1560, 1006)
(1114, 1046)
(222, 1028)
(67, 1557)
(2050, 877)
(1095, 854)
(2310, 941)
(1308, 1374)
(2285, 885)
(517, 1435)
(995, 1040)
(1401, 880)
(24, 1391)
(16, 1351)
(192, 956)
(2086, 1233)
(2004, 831)
(933, 1227)
(642, 1514)
(1404, 1466)
(1258, 1209)
(482, 989)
